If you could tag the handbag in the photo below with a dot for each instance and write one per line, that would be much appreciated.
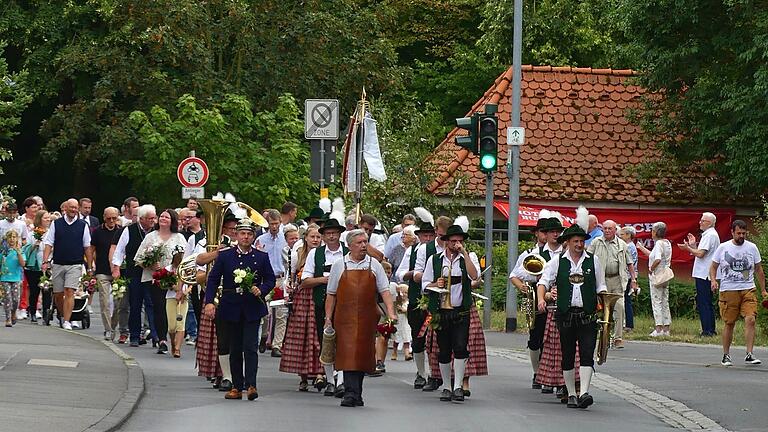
(662, 277)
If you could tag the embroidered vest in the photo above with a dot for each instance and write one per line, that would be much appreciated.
(565, 287)
(466, 284)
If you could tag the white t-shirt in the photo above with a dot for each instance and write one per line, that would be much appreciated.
(736, 265)
(709, 242)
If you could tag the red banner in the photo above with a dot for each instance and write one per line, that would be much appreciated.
(679, 222)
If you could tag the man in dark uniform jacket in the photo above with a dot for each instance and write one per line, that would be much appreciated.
(241, 307)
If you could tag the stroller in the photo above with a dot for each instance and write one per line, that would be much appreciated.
(79, 311)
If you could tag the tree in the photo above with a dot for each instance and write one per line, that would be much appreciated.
(704, 63)
(260, 157)
(14, 98)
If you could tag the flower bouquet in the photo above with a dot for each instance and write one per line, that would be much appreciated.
(423, 302)
(88, 283)
(45, 282)
(765, 303)
(165, 279)
(244, 278)
(386, 329)
(119, 288)
(151, 256)
(38, 233)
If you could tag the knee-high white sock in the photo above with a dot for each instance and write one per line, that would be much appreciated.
(226, 372)
(459, 366)
(329, 372)
(570, 381)
(419, 359)
(445, 373)
(339, 377)
(585, 374)
(534, 355)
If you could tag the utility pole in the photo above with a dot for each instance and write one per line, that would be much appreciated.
(513, 166)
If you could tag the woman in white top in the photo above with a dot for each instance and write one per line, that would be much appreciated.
(172, 243)
(659, 259)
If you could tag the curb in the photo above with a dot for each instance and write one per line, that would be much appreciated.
(127, 403)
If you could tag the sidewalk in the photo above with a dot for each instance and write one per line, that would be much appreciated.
(54, 380)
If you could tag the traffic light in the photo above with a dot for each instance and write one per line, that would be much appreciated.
(468, 141)
(489, 142)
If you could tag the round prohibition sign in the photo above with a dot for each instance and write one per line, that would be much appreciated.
(321, 115)
(192, 172)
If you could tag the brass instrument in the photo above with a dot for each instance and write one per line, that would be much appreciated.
(188, 270)
(213, 217)
(533, 264)
(253, 215)
(608, 300)
(445, 297)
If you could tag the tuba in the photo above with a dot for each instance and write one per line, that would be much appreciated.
(608, 300)
(533, 264)
(445, 297)
(213, 216)
(253, 215)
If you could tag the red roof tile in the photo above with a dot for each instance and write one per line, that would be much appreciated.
(579, 142)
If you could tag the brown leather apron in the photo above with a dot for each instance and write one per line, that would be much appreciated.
(355, 320)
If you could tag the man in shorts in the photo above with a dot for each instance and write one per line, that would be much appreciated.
(735, 264)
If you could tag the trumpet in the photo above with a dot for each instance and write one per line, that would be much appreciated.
(533, 264)
(445, 297)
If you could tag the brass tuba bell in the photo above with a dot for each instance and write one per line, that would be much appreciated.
(533, 264)
(608, 300)
(445, 297)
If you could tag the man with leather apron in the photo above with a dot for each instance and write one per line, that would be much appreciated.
(352, 286)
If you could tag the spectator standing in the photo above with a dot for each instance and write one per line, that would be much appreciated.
(659, 261)
(628, 234)
(703, 251)
(69, 239)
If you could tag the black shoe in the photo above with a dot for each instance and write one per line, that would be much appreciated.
(348, 401)
(33, 319)
(339, 393)
(330, 390)
(446, 395)
(162, 348)
(380, 368)
(467, 393)
(432, 384)
(276, 353)
(458, 395)
(585, 400)
(320, 383)
(534, 384)
(217, 382)
(572, 403)
(263, 345)
(225, 386)
(547, 389)
(142, 342)
(360, 402)
(560, 392)
(419, 382)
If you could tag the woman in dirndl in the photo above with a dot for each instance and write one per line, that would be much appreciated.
(550, 372)
(301, 349)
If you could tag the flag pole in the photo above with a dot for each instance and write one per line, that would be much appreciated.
(362, 107)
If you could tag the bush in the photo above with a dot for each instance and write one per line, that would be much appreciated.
(761, 240)
(499, 270)
(682, 299)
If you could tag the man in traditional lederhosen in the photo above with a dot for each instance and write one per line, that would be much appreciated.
(452, 323)
(423, 252)
(315, 277)
(352, 286)
(579, 277)
(518, 277)
(416, 316)
(241, 307)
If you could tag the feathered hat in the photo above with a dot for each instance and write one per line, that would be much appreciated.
(427, 223)
(460, 227)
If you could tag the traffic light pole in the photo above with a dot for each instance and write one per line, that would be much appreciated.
(488, 280)
(513, 166)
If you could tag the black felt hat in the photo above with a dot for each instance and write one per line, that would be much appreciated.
(315, 213)
(454, 230)
(572, 231)
(550, 224)
(425, 227)
(331, 224)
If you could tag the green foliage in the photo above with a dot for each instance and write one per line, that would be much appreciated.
(760, 238)
(682, 299)
(499, 271)
(260, 157)
(14, 98)
(558, 33)
(704, 61)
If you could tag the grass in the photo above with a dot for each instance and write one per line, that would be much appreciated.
(682, 330)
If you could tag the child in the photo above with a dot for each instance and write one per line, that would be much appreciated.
(11, 275)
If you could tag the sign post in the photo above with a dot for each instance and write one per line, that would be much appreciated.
(192, 173)
(321, 127)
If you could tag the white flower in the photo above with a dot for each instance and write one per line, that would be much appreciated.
(238, 279)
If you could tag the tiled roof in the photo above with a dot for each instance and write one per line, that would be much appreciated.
(580, 144)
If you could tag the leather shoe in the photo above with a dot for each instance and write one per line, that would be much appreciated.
(585, 400)
(348, 402)
(458, 395)
(276, 353)
(467, 393)
(263, 345)
(339, 393)
(225, 386)
(547, 389)
(446, 395)
(252, 393)
(234, 394)
(432, 384)
(534, 384)
(217, 382)
(330, 390)
(419, 382)
(560, 392)
(359, 402)
(572, 403)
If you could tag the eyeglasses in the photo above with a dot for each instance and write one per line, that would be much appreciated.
(111, 218)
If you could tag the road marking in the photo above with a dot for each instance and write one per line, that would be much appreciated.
(671, 412)
(5, 363)
(53, 363)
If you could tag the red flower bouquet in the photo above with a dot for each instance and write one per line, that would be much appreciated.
(165, 279)
(88, 283)
(386, 329)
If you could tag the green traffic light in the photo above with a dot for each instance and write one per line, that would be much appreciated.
(488, 162)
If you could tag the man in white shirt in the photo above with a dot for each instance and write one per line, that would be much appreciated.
(737, 262)
(579, 277)
(703, 251)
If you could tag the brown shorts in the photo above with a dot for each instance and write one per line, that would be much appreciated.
(735, 303)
